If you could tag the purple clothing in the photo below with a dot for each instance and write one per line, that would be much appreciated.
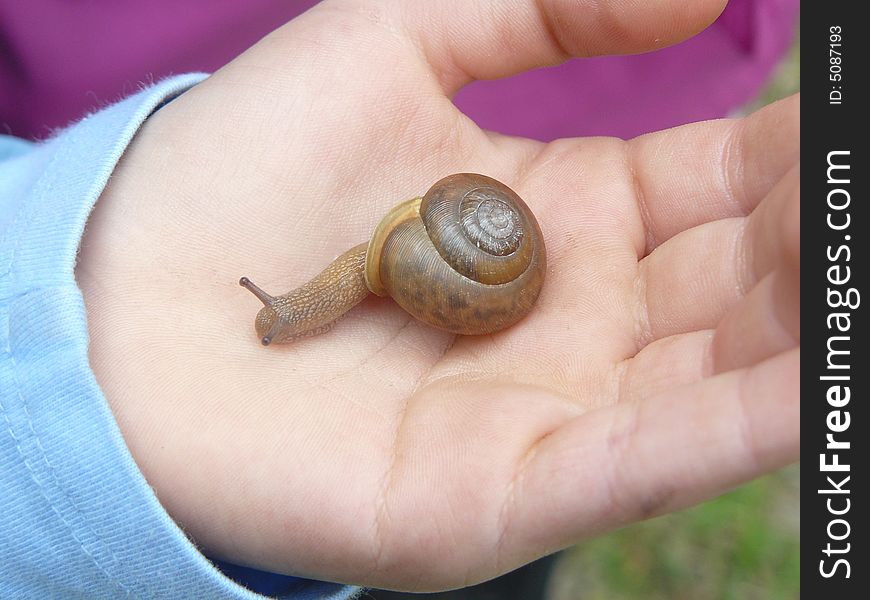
(60, 60)
(705, 77)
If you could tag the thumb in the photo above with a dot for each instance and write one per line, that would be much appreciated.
(464, 40)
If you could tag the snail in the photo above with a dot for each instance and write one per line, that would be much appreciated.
(468, 258)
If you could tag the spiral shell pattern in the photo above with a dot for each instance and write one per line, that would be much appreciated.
(490, 223)
(479, 226)
(472, 263)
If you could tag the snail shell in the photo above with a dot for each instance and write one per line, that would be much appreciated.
(472, 261)
(468, 258)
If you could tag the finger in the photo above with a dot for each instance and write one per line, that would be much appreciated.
(635, 460)
(464, 40)
(763, 324)
(767, 321)
(667, 364)
(773, 229)
(701, 172)
(691, 281)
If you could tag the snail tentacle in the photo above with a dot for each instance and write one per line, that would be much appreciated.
(314, 307)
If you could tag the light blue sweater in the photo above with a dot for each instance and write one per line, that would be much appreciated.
(77, 518)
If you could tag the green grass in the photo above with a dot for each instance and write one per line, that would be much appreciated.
(786, 79)
(742, 546)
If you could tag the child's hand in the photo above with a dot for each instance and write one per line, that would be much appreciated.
(658, 368)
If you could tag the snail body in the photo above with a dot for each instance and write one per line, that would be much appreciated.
(468, 258)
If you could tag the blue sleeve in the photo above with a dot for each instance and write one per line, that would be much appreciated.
(77, 518)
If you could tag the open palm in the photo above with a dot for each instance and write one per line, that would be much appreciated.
(657, 369)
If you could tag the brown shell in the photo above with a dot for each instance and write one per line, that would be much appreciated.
(473, 263)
